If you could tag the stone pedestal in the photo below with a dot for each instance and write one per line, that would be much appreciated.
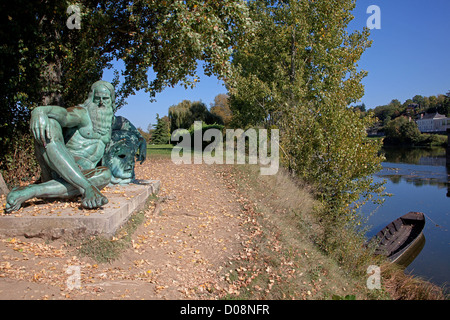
(55, 219)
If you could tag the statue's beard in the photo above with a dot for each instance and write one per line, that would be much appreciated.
(101, 118)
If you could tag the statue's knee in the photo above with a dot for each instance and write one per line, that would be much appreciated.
(56, 132)
(106, 174)
(104, 177)
(99, 176)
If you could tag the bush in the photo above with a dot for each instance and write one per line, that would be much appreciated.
(433, 140)
(401, 130)
(18, 164)
(175, 137)
(328, 148)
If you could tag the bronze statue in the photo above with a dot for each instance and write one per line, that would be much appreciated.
(69, 144)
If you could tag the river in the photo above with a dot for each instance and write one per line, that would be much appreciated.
(418, 180)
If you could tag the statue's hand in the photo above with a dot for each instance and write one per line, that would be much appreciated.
(40, 126)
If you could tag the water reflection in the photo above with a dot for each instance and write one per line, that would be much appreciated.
(407, 259)
(413, 166)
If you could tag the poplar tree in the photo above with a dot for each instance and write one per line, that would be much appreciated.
(300, 73)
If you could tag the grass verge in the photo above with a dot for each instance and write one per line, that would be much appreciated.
(159, 150)
(103, 249)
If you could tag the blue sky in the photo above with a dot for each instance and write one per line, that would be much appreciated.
(409, 56)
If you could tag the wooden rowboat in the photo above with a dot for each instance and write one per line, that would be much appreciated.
(402, 239)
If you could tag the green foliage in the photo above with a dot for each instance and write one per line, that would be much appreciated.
(191, 132)
(402, 130)
(299, 74)
(347, 297)
(413, 107)
(145, 135)
(203, 129)
(434, 140)
(183, 115)
(41, 57)
(21, 162)
(43, 62)
(161, 134)
(330, 150)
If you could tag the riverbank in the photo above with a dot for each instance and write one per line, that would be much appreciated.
(425, 140)
(289, 237)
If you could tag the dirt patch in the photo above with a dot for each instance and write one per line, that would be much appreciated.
(178, 252)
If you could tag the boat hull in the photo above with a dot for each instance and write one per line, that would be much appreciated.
(402, 239)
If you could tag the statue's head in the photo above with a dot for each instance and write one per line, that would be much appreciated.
(102, 94)
(120, 156)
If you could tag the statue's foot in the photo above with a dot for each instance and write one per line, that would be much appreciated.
(16, 197)
(93, 199)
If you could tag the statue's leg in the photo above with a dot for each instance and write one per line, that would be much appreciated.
(56, 161)
(46, 172)
(59, 188)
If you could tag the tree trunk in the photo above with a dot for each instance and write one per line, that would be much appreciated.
(52, 78)
(293, 49)
(52, 73)
(3, 188)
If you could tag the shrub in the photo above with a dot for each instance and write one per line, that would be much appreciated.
(401, 130)
(18, 163)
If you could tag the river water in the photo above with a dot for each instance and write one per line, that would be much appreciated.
(418, 180)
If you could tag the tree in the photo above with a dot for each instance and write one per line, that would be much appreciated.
(395, 103)
(42, 61)
(447, 103)
(402, 130)
(161, 135)
(386, 113)
(167, 37)
(299, 74)
(361, 107)
(221, 108)
(186, 112)
(420, 100)
(442, 104)
(145, 135)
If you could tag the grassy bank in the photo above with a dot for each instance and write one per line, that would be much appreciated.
(159, 150)
(285, 257)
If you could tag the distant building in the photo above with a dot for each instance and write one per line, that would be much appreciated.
(433, 122)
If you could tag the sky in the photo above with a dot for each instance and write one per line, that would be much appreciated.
(409, 56)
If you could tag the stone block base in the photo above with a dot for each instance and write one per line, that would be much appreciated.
(56, 219)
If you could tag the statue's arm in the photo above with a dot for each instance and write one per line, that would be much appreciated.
(67, 118)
